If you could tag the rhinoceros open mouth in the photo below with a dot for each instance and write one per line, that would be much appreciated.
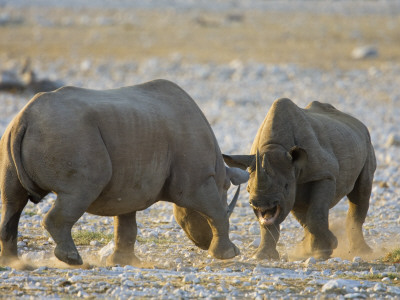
(267, 216)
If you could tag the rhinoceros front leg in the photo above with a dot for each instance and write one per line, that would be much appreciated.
(125, 231)
(358, 208)
(322, 240)
(14, 199)
(305, 245)
(64, 213)
(269, 239)
(207, 201)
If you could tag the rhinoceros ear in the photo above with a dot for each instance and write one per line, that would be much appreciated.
(239, 161)
(299, 156)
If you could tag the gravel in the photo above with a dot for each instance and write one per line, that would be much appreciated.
(235, 98)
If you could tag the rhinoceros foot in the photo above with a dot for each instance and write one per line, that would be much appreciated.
(70, 257)
(5, 260)
(123, 259)
(363, 249)
(15, 263)
(322, 245)
(223, 250)
(266, 253)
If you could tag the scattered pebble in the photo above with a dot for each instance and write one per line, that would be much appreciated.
(75, 278)
(364, 52)
(393, 140)
(355, 296)
(310, 261)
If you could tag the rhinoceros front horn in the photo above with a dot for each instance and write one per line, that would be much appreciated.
(232, 205)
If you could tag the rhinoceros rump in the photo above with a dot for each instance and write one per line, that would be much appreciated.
(304, 161)
(112, 153)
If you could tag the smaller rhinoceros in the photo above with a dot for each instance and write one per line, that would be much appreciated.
(113, 153)
(304, 161)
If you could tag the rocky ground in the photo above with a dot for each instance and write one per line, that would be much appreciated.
(234, 90)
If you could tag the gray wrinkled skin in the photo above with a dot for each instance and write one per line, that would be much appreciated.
(112, 153)
(304, 161)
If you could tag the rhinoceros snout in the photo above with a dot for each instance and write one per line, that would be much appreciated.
(263, 204)
(267, 210)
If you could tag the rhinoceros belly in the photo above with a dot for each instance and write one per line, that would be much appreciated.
(121, 203)
(131, 188)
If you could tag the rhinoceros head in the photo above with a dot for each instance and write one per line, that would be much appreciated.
(272, 183)
(195, 224)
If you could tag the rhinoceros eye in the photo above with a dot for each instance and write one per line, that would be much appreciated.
(286, 186)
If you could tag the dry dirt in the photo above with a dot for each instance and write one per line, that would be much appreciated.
(307, 39)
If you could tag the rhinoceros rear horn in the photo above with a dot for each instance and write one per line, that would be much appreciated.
(233, 202)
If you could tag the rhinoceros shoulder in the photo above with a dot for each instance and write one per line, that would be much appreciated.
(321, 107)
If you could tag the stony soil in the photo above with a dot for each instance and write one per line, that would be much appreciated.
(234, 72)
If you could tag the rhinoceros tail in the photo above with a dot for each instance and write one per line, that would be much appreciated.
(35, 194)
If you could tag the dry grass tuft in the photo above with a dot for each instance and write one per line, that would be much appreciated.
(84, 237)
(393, 256)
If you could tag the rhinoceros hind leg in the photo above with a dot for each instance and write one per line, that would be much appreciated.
(206, 200)
(64, 213)
(125, 231)
(123, 259)
(358, 208)
(14, 199)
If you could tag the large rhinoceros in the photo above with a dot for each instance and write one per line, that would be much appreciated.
(305, 161)
(112, 153)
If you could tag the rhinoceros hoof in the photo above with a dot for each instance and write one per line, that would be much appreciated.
(7, 260)
(226, 253)
(15, 263)
(323, 254)
(361, 250)
(322, 247)
(366, 250)
(266, 254)
(123, 260)
(69, 257)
